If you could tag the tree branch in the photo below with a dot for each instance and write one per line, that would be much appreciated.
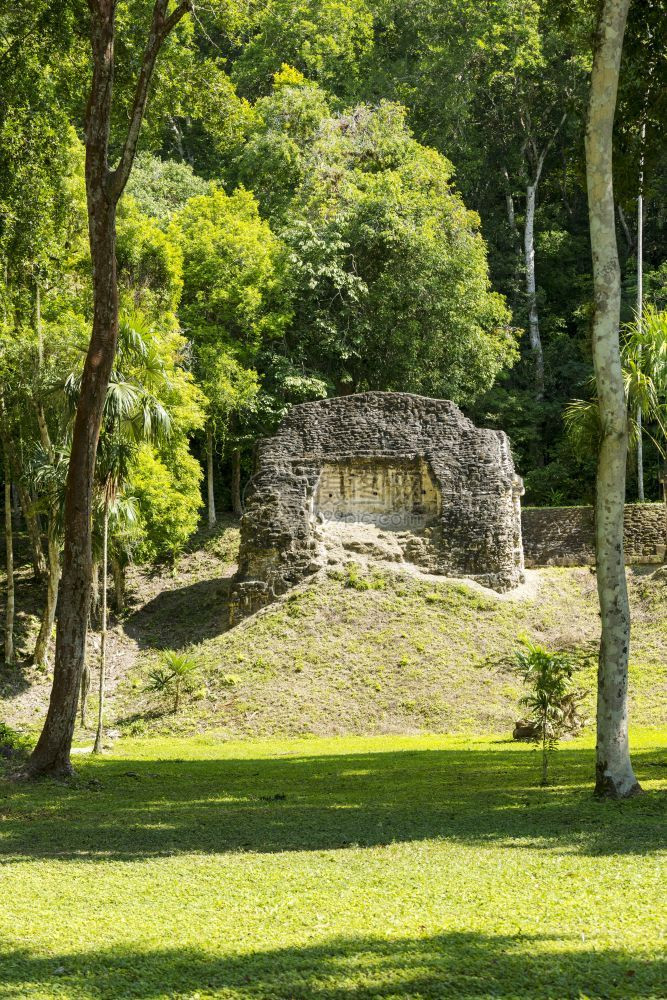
(161, 26)
(543, 154)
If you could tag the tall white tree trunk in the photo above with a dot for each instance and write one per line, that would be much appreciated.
(209, 476)
(640, 310)
(531, 289)
(614, 774)
(99, 735)
(9, 549)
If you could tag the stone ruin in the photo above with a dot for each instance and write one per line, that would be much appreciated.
(385, 476)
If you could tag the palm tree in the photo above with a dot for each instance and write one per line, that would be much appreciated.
(644, 356)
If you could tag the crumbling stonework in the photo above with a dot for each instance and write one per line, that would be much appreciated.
(565, 536)
(432, 488)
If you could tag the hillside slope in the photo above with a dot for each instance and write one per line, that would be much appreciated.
(359, 651)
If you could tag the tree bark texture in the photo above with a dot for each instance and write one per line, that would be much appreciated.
(614, 774)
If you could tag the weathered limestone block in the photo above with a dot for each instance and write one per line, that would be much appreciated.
(394, 461)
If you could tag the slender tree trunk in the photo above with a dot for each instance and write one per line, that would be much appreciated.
(95, 592)
(118, 571)
(103, 189)
(99, 736)
(34, 534)
(209, 476)
(626, 229)
(9, 549)
(614, 774)
(41, 654)
(531, 290)
(237, 506)
(30, 518)
(53, 550)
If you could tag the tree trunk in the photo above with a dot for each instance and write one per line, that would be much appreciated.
(9, 549)
(85, 688)
(614, 774)
(95, 592)
(531, 290)
(237, 506)
(118, 571)
(34, 534)
(103, 189)
(97, 748)
(41, 655)
(209, 476)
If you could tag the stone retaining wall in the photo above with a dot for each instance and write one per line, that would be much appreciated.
(565, 536)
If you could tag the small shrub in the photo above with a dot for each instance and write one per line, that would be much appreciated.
(173, 677)
(12, 744)
(354, 579)
(551, 699)
(229, 680)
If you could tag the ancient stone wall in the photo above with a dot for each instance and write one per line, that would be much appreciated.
(405, 464)
(565, 536)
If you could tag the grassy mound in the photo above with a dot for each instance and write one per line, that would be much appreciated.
(381, 652)
(355, 652)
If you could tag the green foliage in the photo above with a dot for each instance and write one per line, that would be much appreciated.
(231, 271)
(167, 489)
(357, 580)
(173, 678)
(389, 271)
(549, 677)
(325, 39)
(149, 262)
(13, 743)
(161, 188)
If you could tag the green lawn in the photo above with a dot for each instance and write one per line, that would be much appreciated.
(392, 867)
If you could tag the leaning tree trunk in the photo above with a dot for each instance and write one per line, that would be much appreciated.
(237, 505)
(99, 735)
(41, 655)
(103, 189)
(9, 549)
(614, 774)
(209, 476)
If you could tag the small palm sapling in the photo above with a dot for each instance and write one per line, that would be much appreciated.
(551, 695)
(172, 678)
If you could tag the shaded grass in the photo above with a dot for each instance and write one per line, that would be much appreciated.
(412, 867)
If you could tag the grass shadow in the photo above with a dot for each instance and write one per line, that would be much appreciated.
(455, 964)
(181, 617)
(131, 809)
